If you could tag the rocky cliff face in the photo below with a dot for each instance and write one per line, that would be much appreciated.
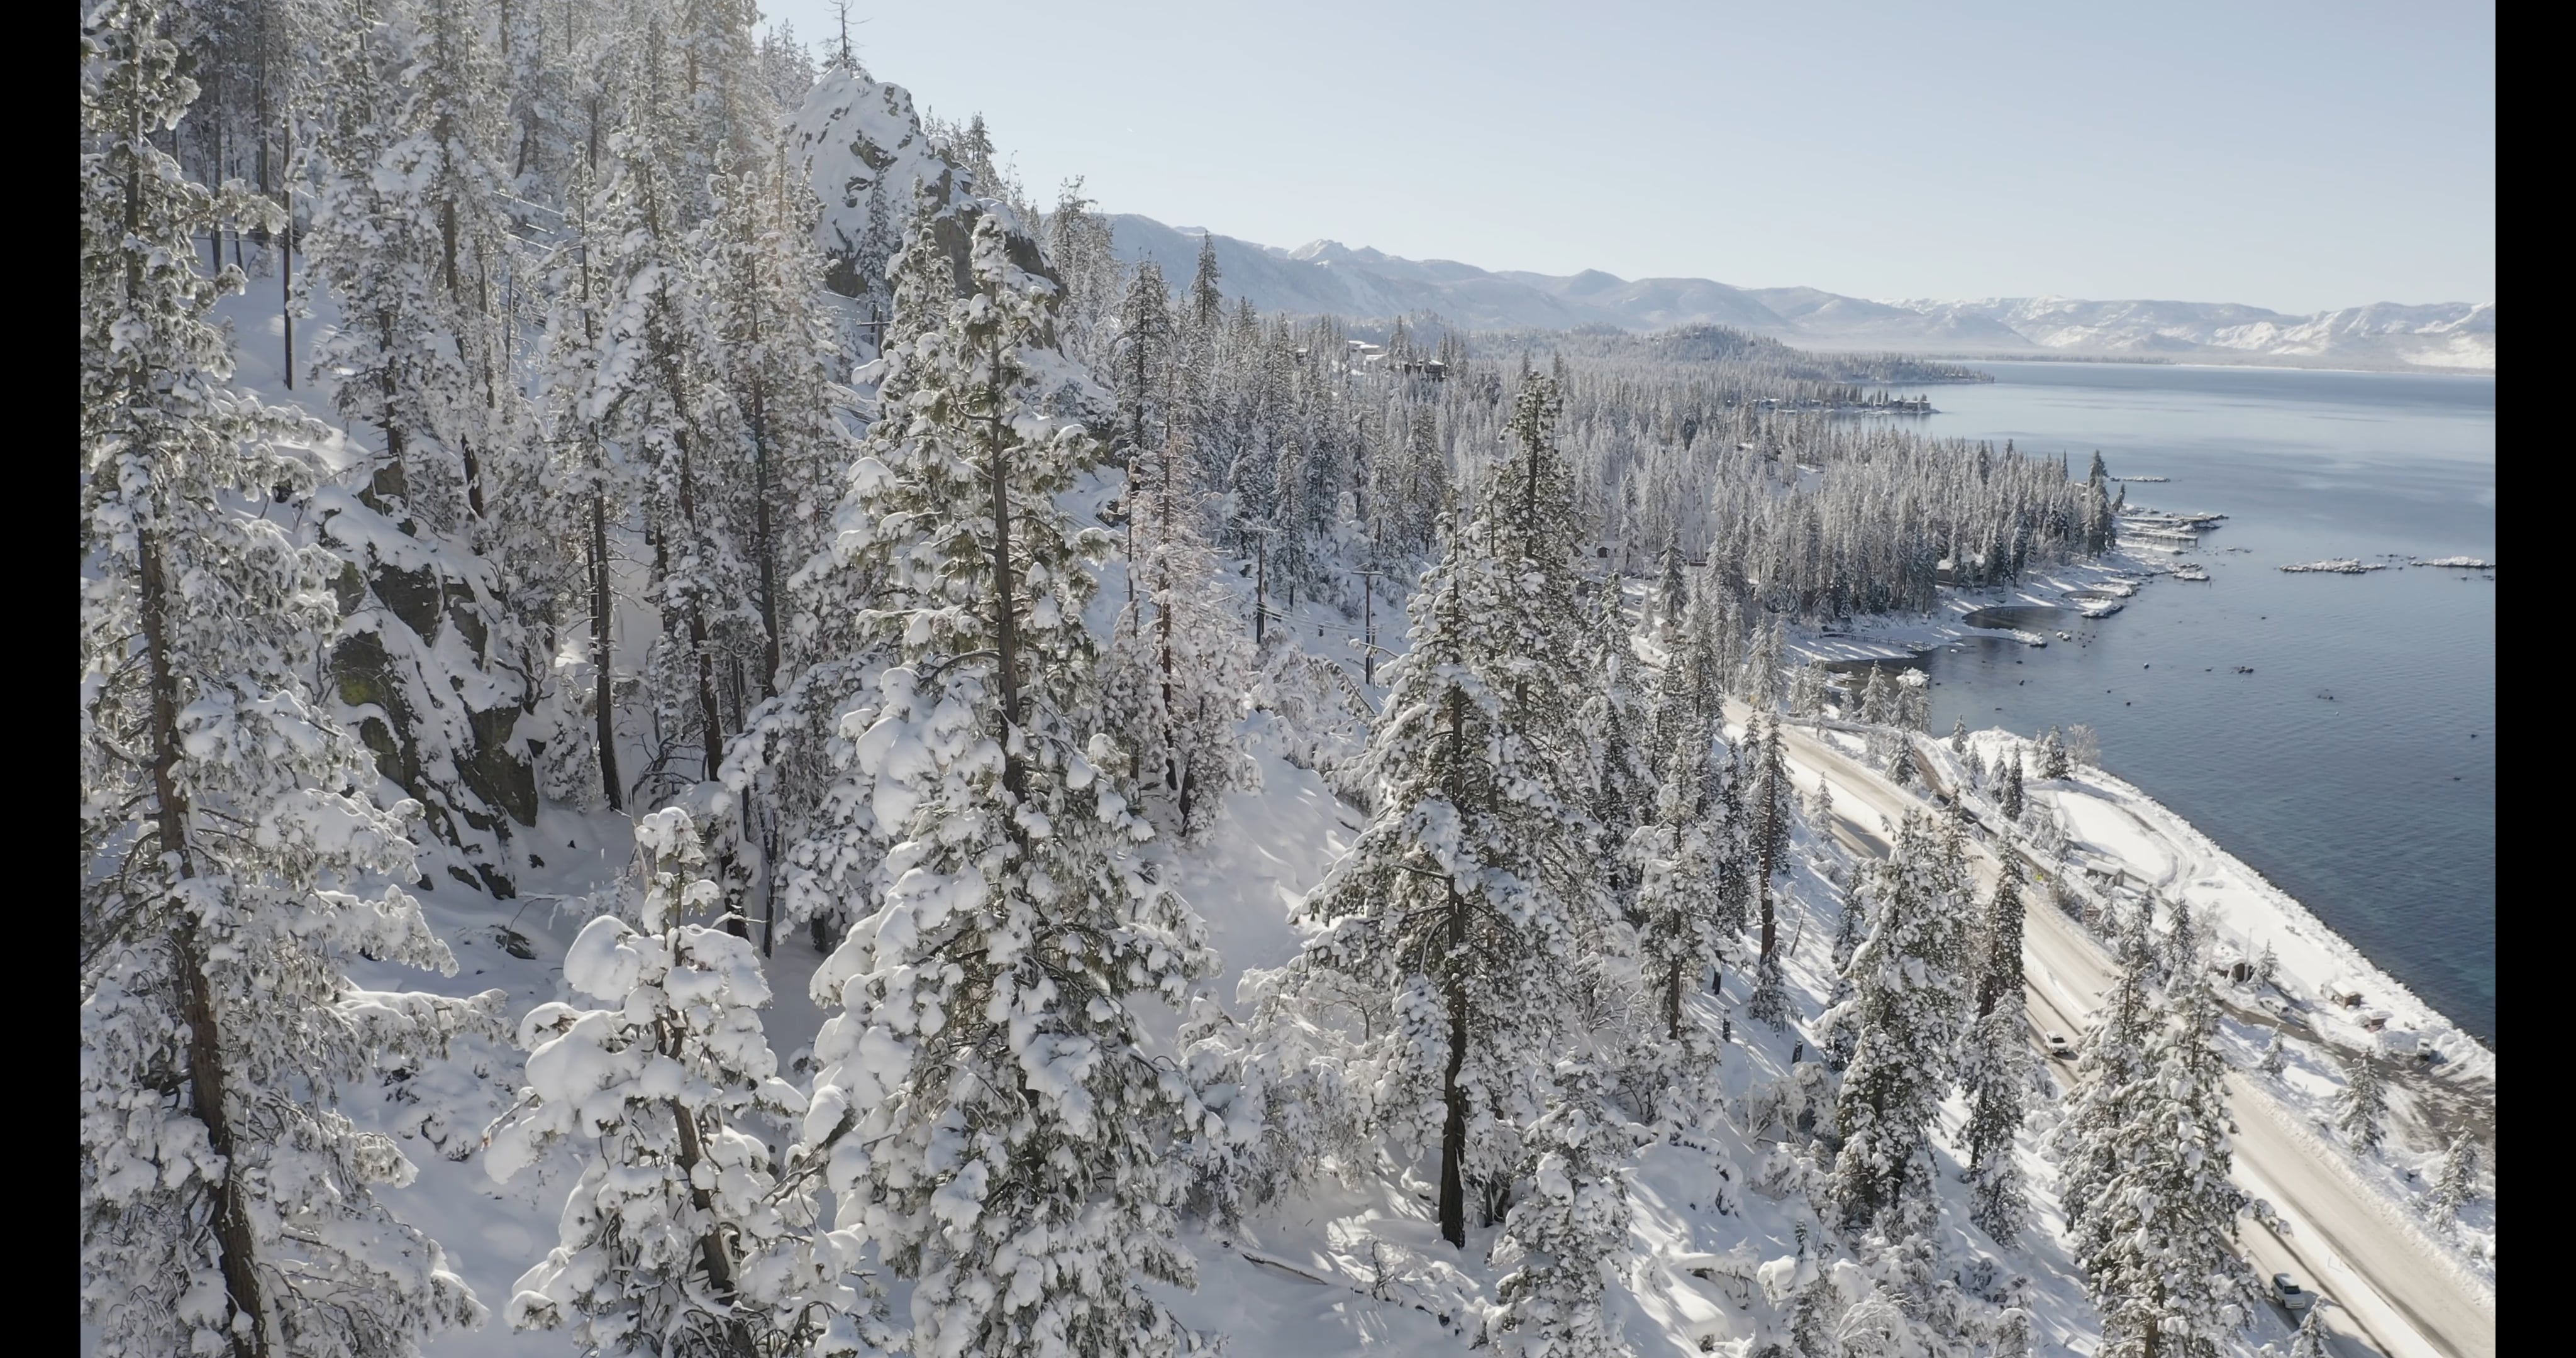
(858, 139)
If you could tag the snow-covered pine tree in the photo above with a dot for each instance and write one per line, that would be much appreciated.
(2310, 1339)
(1905, 1015)
(1454, 917)
(1914, 702)
(227, 822)
(2267, 966)
(2109, 1089)
(1994, 1069)
(679, 1237)
(1172, 687)
(2158, 1242)
(1681, 937)
(1138, 371)
(1959, 737)
(782, 359)
(2182, 940)
(2362, 1106)
(2052, 755)
(2009, 794)
(1807, 690)
(1761, 681)
(1877, 699)
(1672, 592)
(807, 739)
(1771, 793)
(1568, 1234)
(1850, 928)
(594, 483)
(2276, 1058)
(1078, 243)
(2457, 1181)
(984, 1103)
(662, 399)
(1707, 655)
(1976, 768)
(1623, 786)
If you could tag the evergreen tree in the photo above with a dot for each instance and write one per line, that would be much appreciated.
(2052, 755)
(1672, 592)
(1959, 736)
(227, 826)
(1770, 832)
(1877, 701)
(2109, 1076)
(986, 1056)
(2182, 938)
(1683, 935)
(1144, 353)
(1850, 928)
(1622, 786)
(1905, 1020)
(2457, 1181)
(1567, 1235)
(2275, 1058)
(2310, 1341)
(2363, 1104)
(838, 652)
(1454, 917)
(1994, 1068)
(2157, 1242)
(1807, 690)
(1173, 689)
(2009, 799)
(678, 1238)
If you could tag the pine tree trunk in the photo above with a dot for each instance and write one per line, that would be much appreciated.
(237, 1247)
(1163, 630)
(1453, 1130)
(601, 606)
(767, 549)
(1673, 1001)
(1006, 629)
(712, 1252)
(286, 251)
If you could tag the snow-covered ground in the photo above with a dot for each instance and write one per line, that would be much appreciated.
(1716, 1236)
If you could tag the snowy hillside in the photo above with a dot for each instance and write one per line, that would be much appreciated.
(699, 736)
(1328, 278)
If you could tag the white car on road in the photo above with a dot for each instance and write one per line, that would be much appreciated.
(2293, 1298)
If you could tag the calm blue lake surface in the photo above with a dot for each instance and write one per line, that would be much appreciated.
(2375, 808)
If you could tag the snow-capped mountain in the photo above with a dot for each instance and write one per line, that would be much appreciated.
(1329, 277)
(2447, 334)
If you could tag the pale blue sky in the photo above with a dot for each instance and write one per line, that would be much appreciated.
(2297, 156)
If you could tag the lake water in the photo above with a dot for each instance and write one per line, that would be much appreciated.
(2375, 807)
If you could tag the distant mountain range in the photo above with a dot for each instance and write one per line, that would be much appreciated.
(1327, 277)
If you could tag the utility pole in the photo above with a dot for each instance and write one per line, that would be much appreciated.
(1260, 582)
(1368, 611)
(286, 250)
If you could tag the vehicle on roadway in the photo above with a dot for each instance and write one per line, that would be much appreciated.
(2060, 1048)
(2293, 1298)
